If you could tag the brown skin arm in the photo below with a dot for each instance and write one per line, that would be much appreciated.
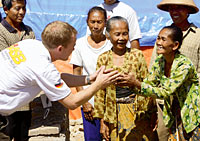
(77, 70)
(135, 44)
(104, 130)
(87, 107)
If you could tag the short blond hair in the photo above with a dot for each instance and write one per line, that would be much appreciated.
(57, 33)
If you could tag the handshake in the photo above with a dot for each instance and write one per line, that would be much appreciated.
(105, 77)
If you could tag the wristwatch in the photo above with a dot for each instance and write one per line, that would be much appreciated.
(88, 79)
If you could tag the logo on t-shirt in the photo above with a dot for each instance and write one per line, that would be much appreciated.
(16, 54)
(59, 85)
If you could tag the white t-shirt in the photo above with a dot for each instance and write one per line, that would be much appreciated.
(86, 56)
(25, 70)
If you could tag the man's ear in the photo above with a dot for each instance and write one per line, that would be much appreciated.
(176, 45)
(59, 48)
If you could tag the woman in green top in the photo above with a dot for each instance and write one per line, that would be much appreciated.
(173, 78)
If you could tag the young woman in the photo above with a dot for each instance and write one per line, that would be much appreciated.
(173, 78)
(124, 116)
(84, 59)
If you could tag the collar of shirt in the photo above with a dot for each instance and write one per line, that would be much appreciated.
(10, 28)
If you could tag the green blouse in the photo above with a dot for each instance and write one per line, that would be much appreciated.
(182, 83)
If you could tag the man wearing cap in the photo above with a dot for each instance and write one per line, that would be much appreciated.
(179, 11)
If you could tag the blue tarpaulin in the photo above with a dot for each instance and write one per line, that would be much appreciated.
(151, 19)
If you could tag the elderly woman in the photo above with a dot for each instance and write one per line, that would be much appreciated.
(173, 78)
(123, 114)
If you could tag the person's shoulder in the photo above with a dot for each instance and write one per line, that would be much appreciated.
(195, 28)
(101, 5)
(26, 26)
(31, 42)
(135, 51)
(2, 27)
(183, 58)
(81, 39)
(1, 24)
(80, 42)
(198, 31)
(184, 61)
(128, 7)
(31, 47)
(124, 4)
(159, 59)
(105, 54)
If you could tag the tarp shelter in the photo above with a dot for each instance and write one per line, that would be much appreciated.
(151, 19)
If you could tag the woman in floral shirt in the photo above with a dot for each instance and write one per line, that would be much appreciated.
(173, 78)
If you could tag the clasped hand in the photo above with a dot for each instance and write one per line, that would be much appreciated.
(126, 79)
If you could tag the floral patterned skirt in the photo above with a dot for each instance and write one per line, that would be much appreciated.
(129, 128)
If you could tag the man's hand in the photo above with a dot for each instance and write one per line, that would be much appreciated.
(106, 77)
(95, 74)
(104, 130)
(88, 111)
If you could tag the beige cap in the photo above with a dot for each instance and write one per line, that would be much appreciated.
(189, 3)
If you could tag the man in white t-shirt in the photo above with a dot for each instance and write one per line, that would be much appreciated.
(26, 69)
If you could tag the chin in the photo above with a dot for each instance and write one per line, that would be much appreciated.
(159, 52)
(64, 59)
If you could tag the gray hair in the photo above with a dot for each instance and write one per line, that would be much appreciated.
(112, 20)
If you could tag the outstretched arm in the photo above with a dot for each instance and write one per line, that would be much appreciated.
(80, 80)
(74, 80)
(103, 80)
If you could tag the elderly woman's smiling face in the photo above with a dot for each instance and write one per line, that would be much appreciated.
(119, 35)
